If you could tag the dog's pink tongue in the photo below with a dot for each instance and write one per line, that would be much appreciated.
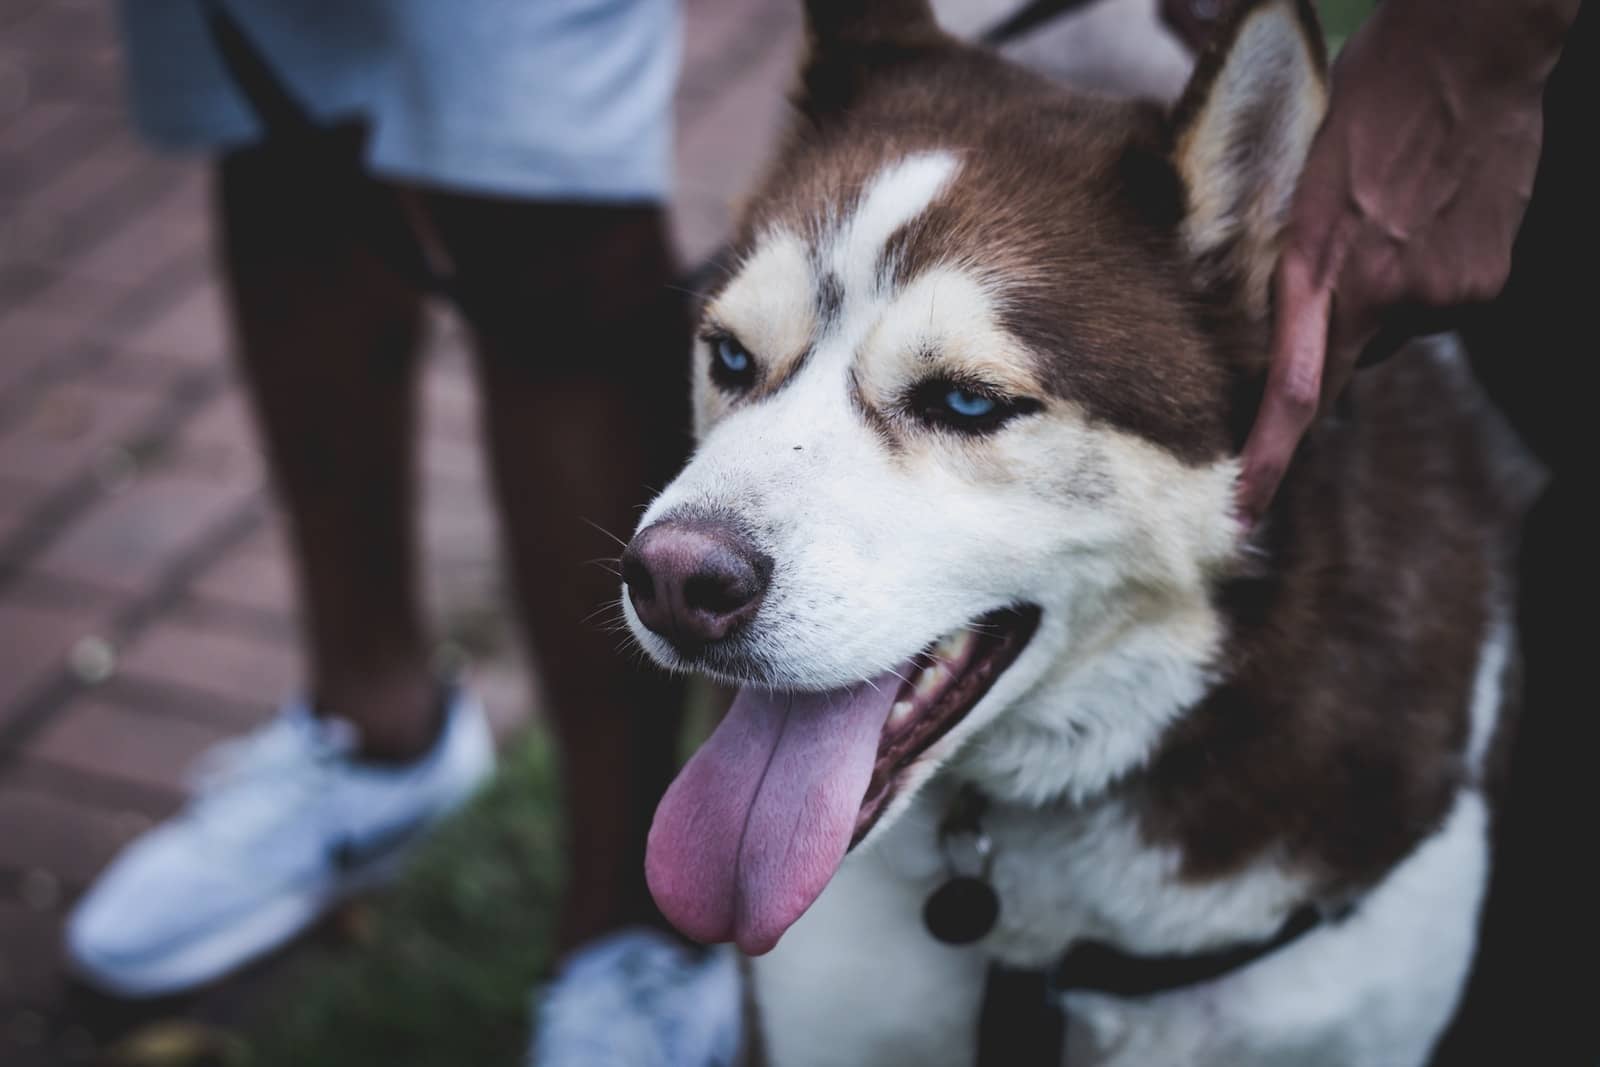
(761, 817)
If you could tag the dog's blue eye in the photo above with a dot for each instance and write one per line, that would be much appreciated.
(732, 365)
(734, 360)
(965, 407)
(969, 405)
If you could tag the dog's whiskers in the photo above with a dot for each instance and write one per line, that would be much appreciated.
(602, 529)
(615, 616)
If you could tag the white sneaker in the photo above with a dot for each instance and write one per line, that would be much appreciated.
(283, 824)
(637, 998)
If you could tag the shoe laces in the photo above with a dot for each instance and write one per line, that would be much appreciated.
(242, 788)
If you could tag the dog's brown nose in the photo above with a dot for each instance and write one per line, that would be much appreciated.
(694, 580)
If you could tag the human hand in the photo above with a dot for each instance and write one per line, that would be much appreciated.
(1408, 205)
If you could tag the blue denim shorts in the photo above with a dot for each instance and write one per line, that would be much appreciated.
(543, 99)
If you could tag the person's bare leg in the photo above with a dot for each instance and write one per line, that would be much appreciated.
(327, 336)
(582, 353)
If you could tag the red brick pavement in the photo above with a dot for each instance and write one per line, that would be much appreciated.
(145, 598)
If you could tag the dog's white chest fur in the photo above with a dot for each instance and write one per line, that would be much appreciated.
(859, 981)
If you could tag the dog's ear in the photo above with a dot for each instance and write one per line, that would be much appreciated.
(850, 40)
(1242, 131)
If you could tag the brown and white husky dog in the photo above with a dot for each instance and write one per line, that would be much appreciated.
(961, 518)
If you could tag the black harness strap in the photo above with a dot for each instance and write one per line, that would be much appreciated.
(1022, 1024)
(1027, 18)
(1097, 967)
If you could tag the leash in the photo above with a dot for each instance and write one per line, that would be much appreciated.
(1021, 1023)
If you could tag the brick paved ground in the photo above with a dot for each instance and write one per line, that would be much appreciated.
(145, 600)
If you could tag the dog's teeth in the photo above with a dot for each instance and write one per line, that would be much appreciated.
(901, 711)
(955, 646)
(932, 678)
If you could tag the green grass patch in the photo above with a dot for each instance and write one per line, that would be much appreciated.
(1340, 19)
(443, 965)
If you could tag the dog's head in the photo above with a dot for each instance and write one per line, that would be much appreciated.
(968, 402)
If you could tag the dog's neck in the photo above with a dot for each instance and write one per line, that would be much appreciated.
(1099, 712)
(1098, 715)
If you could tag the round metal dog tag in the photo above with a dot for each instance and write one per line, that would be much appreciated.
(961, 911)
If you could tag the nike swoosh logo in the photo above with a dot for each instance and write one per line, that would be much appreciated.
(351, 855)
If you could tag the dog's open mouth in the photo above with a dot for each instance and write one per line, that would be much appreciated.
(947, 682)
(757, 822)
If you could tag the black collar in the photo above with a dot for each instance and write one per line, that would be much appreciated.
(1022, 1023)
